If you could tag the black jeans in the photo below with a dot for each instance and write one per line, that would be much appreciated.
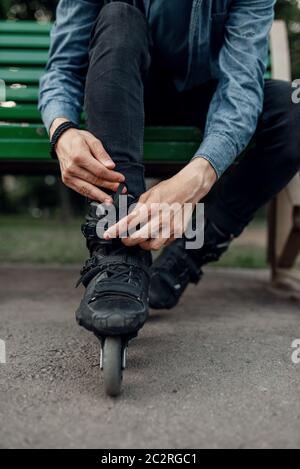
(126, 88)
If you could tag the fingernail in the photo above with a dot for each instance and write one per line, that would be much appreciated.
(109, 164)
(108, 201)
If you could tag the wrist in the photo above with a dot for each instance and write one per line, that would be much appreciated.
(198, 176)
(59, 131)
(204, 169)
(55, 124)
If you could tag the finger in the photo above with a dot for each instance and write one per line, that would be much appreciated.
(98, 151)
(156, 244)
(89, 191)
(119, 229)
(131, 242)
(150, 246)
(124, 226)
(150, 231)
(147, 231)
(144, 198)
(96, 181)
(160, 225)
(87, 161)
(146, 245)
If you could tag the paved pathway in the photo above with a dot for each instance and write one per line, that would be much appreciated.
(216, 372)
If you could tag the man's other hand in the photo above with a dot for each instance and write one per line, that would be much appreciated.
(189, 186)
(85, 165)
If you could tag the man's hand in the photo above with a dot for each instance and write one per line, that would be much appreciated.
(85, 166)
(189, 186)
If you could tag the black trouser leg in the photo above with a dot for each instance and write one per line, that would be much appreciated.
(114, 102)
(267, 168)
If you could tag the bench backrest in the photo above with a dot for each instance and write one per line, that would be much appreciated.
(23, 54)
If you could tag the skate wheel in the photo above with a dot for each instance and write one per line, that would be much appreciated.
(112, 365)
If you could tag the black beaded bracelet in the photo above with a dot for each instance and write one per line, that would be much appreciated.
(61, 129)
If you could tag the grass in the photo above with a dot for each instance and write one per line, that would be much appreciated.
(246, 256)
(46, 241)
(25, 239)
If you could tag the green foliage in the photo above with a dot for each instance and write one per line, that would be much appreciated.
(4, 7)
(34, 9)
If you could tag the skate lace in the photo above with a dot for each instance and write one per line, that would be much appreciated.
(124, 273)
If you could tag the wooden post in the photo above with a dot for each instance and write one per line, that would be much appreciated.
(284, 210)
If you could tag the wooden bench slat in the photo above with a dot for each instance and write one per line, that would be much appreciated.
(155, 134)
(24, 27)
(21, 75)
(22, 93)
(23, 57)
(24, 41)
(34, 149)
(19, 112)
(33, 75)
(22, 131)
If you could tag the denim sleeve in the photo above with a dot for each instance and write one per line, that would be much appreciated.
(62, 85)
(237, 103)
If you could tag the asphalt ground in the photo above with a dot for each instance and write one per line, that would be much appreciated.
(216, 372)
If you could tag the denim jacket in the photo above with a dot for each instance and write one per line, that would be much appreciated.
(228, 42)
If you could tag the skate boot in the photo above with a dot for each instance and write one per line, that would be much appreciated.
(115, 303)
(176, 267)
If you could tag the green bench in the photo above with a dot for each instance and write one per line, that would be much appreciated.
(24, 146)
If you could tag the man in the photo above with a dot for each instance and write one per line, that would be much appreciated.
(186, 62)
